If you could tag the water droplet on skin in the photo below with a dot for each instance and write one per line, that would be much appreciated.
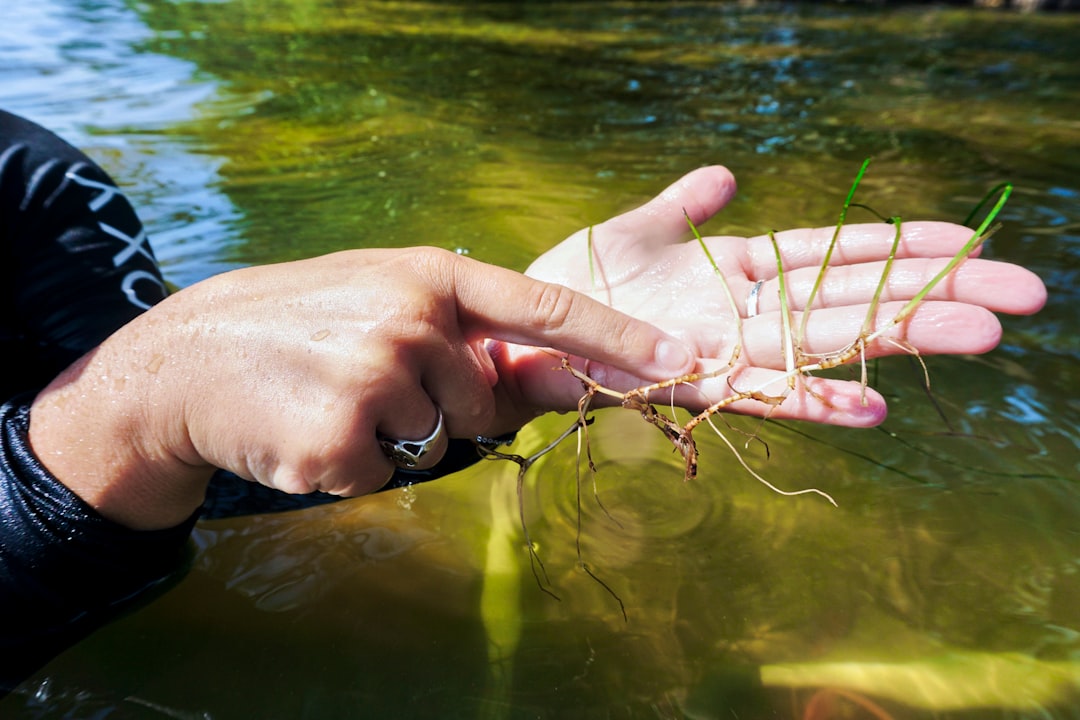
(406, 497)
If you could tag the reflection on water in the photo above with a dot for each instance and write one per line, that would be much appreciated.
(948, 580)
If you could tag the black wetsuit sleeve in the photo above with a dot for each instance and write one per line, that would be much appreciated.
(74, 267)
(64, 569)
(75, 263)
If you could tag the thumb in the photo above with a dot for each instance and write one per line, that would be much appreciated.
(700, 193)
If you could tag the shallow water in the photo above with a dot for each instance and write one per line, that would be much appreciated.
(947, 583)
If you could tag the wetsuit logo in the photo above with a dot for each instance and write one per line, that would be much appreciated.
(133, 247)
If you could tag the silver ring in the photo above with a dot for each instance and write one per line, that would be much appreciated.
(752, 298)
(407, 453)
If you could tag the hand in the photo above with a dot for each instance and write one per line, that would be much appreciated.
(283, 374)
(645, 265)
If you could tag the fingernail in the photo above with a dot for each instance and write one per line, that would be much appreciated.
(673, 358)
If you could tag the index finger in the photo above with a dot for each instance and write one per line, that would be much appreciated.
(514, 308)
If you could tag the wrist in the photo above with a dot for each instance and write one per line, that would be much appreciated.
(97, 428)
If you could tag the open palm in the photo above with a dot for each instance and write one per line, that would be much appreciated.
(647, 264)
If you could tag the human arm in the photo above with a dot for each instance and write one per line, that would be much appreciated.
(78, 268)
(283, 374)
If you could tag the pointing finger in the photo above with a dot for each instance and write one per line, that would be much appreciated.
(511, 307)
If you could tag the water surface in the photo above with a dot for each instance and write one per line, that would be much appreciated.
(251, 132)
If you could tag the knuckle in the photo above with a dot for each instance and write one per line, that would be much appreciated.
(290, 480)
(553, 305)
(479, 414)
(470, 409)
(433, 262)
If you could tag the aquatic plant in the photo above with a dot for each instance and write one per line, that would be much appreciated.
(799, 364)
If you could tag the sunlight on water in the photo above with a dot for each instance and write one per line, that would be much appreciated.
(78, 69)
(946, 584)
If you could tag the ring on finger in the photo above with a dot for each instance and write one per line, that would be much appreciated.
(408, 453)
(752, 299)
